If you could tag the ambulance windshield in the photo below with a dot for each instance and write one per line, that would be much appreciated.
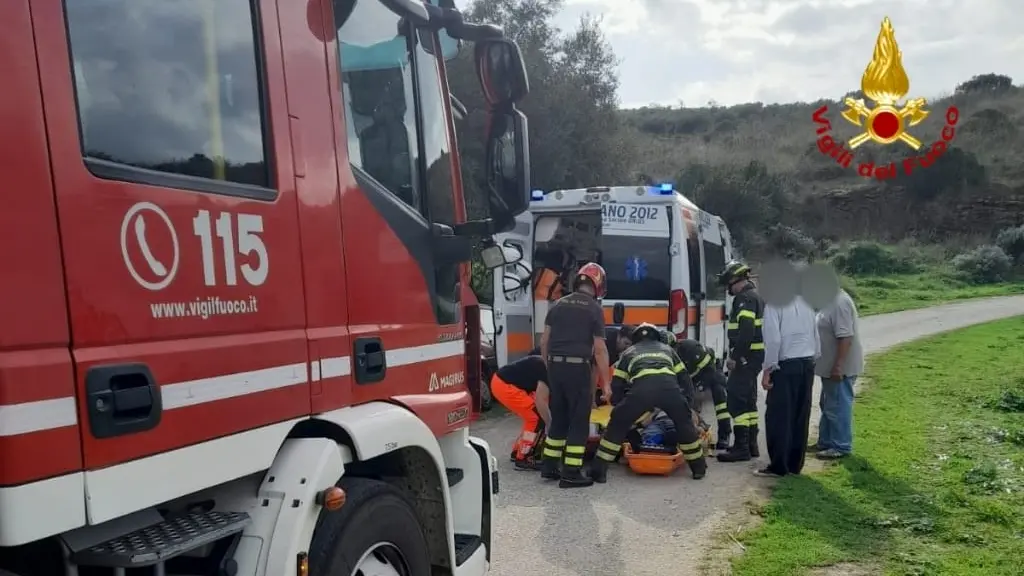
(635, 251)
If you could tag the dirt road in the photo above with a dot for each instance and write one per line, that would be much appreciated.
(649, 526)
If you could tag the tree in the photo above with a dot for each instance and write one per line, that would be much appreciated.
(577, 136)
(986, 83)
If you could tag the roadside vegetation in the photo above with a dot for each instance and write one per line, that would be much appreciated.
(910, 275)
(936, 484)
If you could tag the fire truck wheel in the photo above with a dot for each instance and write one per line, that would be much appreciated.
(376, 532)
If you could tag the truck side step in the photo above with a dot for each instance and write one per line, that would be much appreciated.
(455, 475)
(465, 546)
(160, 542)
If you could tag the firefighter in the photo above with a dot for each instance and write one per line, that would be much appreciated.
(746, 355)
(700, 364)
(650, 375)
(522, 388)
(573, 339)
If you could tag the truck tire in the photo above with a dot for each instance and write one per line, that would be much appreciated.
(375, 532)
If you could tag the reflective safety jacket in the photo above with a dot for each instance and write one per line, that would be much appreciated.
(695, 357)
(746, 340)
(648, 359)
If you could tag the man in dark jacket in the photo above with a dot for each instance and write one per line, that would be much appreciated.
(700, 364)
(746, 357)
(650, 375)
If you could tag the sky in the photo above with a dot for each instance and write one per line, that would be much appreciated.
(690, 52)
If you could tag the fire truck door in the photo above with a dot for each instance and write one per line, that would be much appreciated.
(40, 447)
(180, 239)
(513, 295)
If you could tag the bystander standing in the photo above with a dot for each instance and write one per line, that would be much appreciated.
(791, 346)
(842, 360)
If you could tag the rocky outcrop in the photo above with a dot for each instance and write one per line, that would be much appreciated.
(887, 213)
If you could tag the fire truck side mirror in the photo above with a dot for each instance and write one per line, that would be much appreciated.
(508, 166)
(502, 73)
(495, 256)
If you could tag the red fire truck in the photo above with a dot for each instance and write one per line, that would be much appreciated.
(236, 336)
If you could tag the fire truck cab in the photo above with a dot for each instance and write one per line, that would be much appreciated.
(235, 317)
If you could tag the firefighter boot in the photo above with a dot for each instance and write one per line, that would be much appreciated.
(724, 432)
(573, 477)
(549, 468)
(740, 451)
(599, 470)
(698, 467)
(754, 451)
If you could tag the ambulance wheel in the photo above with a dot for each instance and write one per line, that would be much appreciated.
(376, 532)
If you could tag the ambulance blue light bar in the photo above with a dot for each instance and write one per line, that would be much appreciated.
(665, 189)
(537, 195)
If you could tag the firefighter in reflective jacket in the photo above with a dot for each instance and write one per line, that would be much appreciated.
(700, 364)
(649, 375)
(746, 355)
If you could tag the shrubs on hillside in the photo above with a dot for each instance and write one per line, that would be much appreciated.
(872, 258)
(1011, 240)
(986, 264)
(991, 263)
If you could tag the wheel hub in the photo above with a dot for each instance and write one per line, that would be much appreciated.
(382, 559)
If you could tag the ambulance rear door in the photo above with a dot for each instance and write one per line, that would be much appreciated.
(513, 295)
(636, 254)
(713, 305)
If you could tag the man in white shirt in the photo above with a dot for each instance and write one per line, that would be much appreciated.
(791, 347)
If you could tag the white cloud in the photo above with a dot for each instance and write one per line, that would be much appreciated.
(733, 51)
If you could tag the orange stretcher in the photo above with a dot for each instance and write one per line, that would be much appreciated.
(646, 463)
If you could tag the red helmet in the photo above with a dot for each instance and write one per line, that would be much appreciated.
(593, 273)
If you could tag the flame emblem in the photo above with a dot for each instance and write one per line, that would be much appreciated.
(885, 83)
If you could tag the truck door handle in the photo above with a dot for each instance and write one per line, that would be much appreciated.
(370, 360)
(123, 399)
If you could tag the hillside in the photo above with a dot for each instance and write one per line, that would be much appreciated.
(975, 187)
(758, 166)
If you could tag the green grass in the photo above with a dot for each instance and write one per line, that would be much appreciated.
(936, 485)
(883, 294)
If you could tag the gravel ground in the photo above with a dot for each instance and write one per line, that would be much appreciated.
(650, 526)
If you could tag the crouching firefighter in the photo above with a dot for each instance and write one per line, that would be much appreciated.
(746, 356)
(650, 375)
(700, 364)
(574, 339)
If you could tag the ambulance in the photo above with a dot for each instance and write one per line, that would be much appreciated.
(660, 250)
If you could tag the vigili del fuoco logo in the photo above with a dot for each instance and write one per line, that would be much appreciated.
(884, 120)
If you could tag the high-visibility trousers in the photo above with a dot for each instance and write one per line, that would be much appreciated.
(521, 403)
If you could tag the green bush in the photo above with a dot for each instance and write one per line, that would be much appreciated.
(1011, 240)
(791, 242)
(872, 258)
(481, 281)
(984, 265)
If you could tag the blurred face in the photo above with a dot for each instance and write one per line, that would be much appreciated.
(623, 342)
(736, 287)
